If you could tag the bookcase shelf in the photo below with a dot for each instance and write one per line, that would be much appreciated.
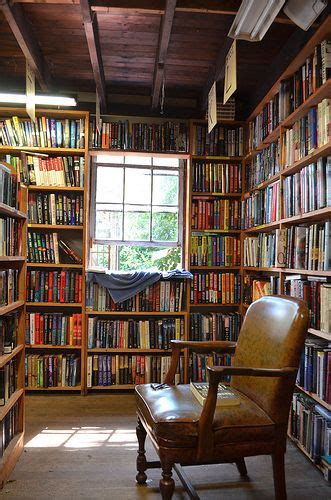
(10, 457)
(55, 226)
(105, 350)
(35, 149)
(219, 231)
(305, 272)
(214, 268)
(43, 264)
(10, 403)
(273, 136)
(315, 397)
(47, 346)
(316, 215)
(54, 304)
(53, 389)
(263, 269)
(324, 150)
(264, 228)
(320, 334)
(123, 387)
(61, 189)
(11, 307)
(306, 454)
(221, 158)
(130, 152)
(202, 194)
(135, 313)
(5, 358)
(215, 305)
(11, 212)
(262, 185)
(11, 260)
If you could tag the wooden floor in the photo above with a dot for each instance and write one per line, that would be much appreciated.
(85, 448)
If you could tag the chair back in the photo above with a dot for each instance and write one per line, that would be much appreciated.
(272, 336)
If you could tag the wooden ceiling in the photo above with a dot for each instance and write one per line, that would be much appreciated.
(127, 48)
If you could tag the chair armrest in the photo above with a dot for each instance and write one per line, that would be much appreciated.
(222, 346)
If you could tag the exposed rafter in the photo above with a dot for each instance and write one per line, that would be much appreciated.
(161, 55)
(26, 40)
(92, 37)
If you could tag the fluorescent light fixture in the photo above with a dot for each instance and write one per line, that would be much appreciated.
(254, 18)
(49, 100)
(304, 13)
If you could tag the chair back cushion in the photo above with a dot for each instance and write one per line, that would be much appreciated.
(272, 336)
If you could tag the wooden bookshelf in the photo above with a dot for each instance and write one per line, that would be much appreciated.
(122, 387)
(52, 347)
(11, 307)
(58, 266)
(135, 313)
(320, 334)
(315, 397)
(55, 189)
(54, 304)
(53, 389)
(5, 358)
(55, 227)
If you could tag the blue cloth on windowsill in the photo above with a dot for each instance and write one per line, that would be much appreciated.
(123, 286)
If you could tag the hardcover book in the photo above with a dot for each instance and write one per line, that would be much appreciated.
(225, 395)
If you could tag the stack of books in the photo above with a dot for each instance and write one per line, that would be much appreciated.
(214, 326)
(51, 370)
(54, 286)
(215, 214)
(215, 288)
(53, 329)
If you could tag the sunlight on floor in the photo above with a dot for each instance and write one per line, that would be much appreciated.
(83, 437)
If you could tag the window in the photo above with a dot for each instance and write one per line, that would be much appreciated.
(136, 211)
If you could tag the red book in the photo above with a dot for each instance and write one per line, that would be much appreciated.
(62, 285)
(50, 287)
(328, 379)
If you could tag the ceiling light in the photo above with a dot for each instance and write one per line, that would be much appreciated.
(304, 13)
(254, 18)
(48, 100)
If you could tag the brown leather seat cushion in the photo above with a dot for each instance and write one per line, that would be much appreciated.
(173, 413)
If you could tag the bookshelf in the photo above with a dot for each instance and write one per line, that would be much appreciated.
(60, 181)
(12, 319)
(298, 206)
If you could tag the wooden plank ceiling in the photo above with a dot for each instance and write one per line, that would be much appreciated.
(128, 33)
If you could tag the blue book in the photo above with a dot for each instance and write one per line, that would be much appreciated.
(59, 134)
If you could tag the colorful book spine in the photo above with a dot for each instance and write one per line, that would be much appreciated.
(264, 123)
(215, 288)
(199, 363)
(51, 370)
(215, 214)
(214, 250)
(9, 287)
(261, 207)
(214, 177)
(215, 326)
(8, 381)
(8, 332)
(53, 329)
(263, 166)
(222, 141)
(308, 247)
(56, 209)
(9, 426)
(10, 237)
(255, 287)
(54, 286)
(8, 187)
(314, 373)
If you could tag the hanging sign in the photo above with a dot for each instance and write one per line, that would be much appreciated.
(230, 79)
(30, 92)
(212, 108)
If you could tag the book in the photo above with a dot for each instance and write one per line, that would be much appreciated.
(54, 286)
(56, 209)
(215, 177)
(223, 140)
(10, 236)
(215, 288)
(221, 214)
(261, 207)
(214, 250)
(225, 395)
(215, 326)
(262, 166)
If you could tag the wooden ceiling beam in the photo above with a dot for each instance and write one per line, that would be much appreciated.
(161, 54)
(93, 43)
(25, 38)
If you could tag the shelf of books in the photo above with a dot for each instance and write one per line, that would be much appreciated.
(215, 188)
(13, 222)
(51, 156)
(286, 213)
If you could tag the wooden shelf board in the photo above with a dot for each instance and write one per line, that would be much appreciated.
(43, 264)
(130, 152)
(214, 305)
(47, 346)
(321, 93)
(264, 269)
(112, 387)
(214, 268)
(5, 358)
(55, 188)
(54, 304)
(210, 157)
(272, 137)
(262, 185)
(37, 149)
(10, 403)
(135, 313)
(75, 388)
(264, 227)
(320, 334)
(12, 212)
(11, 307)
(10, 457)
(54, 226)
(306, 160)
(202, 194)
(218, 231)
(322, 213)
(14, 258)
(109, 350)
(305, 272)
(315, 397)
(305, 452)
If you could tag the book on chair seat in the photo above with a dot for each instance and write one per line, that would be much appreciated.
(225, 395)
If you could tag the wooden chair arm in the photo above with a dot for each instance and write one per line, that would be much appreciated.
(223, 346)
(215, 376)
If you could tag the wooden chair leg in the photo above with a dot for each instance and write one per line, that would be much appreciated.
(167, 484)
(241, 466)
(279, 476)
(141, 458)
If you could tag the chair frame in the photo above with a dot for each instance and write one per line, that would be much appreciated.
(174, 458)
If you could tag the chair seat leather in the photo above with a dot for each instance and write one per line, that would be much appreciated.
(172, 414)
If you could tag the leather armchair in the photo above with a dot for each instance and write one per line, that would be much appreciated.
(264, 366)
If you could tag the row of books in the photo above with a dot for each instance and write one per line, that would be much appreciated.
(163, 137)
(10, 236)
(8, 187)
(310, 425)
(256, 287)
(199, 363)
(261, 207)
(53, 329)
(263, 165)
(8, 428)
(47, 248)
(56, 208)
(8, 381)
(167, 296)
(317, 293)
(134, 334)
(215, 214)
(215, 288)
(264, 123)
(214, 250)
(57, 171)
(222, 141)
(215, 326)
(260, 250)
(310, 132)
(309, 189)
(51, 370)
(314, 373)
(107, 370)
(214, 177)
(44, 132)
(54, 286)
(8, 332)
(308, 247)
(306, 80)
(9, 289)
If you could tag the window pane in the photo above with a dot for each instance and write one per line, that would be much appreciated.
(110, 184)
(165, 162)
(165, 188)
(137, 185)
(109, 222)
(137, 223)
(138, 160)
(131, 258)
(164, 224)
(110, 159)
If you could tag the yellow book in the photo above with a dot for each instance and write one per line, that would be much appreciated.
(225, 395)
